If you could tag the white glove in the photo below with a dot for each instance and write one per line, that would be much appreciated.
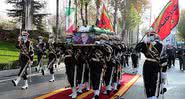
(31, 63)
(153, 43)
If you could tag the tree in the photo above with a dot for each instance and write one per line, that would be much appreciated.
(84, 3)
(6, 25)
(97, 10)
(181, 28)
(115, 14)
(86, 9)
(131, 12)
(81, 11)
(133, 18)
(18, 12)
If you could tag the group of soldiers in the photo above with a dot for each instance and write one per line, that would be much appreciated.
(173, 53)
(96, 64)
(85, 64)
(26, 58)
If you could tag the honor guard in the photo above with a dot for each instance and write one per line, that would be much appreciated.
(123, 50)
(110, 63)
(127, 56)
(41, 46)
(134, 57)
(52, 58)
(97, 63)
(71, 69)
(26, 58)
(83, 72)
(174, 55)
(117, 71)
(180, 56)
(170, 55)
(153, 70)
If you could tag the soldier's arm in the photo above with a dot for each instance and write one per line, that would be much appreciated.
(18, 45)
(140, 47)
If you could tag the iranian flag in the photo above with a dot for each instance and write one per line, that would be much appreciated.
(70, 17)
(105, 21)
(167, 19)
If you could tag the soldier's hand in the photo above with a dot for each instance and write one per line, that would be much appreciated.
(30, 63)
(104, 66)
(44, 56)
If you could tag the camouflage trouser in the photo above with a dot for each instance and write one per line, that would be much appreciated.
(51, 62)
(95, 72)
(23, 60)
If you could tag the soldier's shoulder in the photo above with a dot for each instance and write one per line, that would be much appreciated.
(140, 44)
(29, 42)
(159, 43)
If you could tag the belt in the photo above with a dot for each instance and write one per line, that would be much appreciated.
(164, 64)
(68, 56)
(96, 60)
(152, 60)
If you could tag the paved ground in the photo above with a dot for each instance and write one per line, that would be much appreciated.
(40, 85)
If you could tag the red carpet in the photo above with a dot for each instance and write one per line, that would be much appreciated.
(127, 81)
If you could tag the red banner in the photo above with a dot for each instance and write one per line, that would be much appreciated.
(105, 22)
(167, 19)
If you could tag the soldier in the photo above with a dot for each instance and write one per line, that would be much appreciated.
(41, 46)
(59, 54)
(134, 57)
(80, 63)
(117, 50)
(170, 56)
(174, 55)
(83, 71)
(98, 57)
(71, 69)
(153, 73)
(109, 70)
(127, 56)
(123, 50)
(180, 55)
(26, 59)
(52, 58)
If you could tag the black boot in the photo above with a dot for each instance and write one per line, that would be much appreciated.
(119, 86)
(107, 92)
(36, 69)
(163, 91)
(43, 72)
(96, 97)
